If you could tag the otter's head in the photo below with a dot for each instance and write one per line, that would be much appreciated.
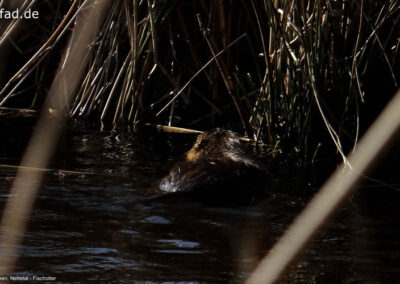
(217, 162)
(218, 144)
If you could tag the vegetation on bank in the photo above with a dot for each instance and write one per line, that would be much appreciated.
(291, 74)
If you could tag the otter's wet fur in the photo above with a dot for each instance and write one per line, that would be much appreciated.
(219, 168)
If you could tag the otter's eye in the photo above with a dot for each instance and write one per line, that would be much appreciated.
(203, 144)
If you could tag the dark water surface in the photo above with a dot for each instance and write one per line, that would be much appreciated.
(94, 227)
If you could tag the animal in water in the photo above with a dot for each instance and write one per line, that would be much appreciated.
(218, 169)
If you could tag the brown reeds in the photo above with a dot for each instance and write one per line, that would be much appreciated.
(287, 73)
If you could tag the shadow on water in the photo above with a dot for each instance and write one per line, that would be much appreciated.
(94, 227)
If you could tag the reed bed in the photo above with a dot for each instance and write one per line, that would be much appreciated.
(291, 74)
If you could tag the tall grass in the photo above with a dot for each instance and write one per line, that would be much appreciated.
(287, 73)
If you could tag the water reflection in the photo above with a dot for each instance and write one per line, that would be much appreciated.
(93, 226)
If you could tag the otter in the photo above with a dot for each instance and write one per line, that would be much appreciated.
(219, 168)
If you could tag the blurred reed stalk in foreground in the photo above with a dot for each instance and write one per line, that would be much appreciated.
(87, 19)
(333, 193)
